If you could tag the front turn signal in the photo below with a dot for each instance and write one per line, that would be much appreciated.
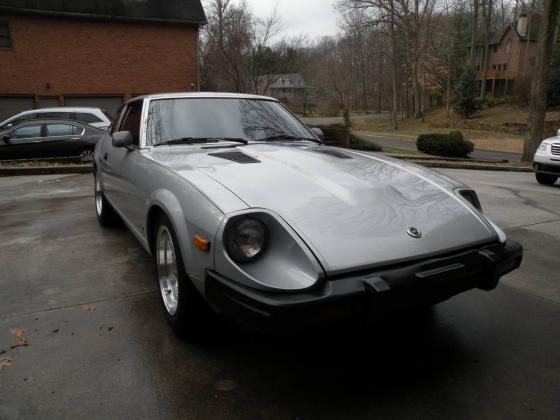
(201, 243)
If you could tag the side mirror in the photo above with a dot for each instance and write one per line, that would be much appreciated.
(558, 133)
(6, 139)
(319, 133)
(122, 139)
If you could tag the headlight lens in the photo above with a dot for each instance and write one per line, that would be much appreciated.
(542, 147)
(245, 239)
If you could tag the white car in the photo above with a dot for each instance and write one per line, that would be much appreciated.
(547, 160)
(95, 117)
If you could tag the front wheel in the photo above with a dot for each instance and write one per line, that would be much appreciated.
(106, 215)
(183, 306)
(546, 179)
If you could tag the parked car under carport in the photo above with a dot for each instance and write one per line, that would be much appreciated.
(49, 139)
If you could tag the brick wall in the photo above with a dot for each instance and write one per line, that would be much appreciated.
(54, 56)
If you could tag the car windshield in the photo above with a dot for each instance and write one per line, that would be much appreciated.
(221, 118)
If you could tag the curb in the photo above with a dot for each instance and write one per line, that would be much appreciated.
(46, 170)
(444, 159)
(473, 166)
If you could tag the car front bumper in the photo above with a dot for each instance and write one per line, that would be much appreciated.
(397, 287)
(546, 163)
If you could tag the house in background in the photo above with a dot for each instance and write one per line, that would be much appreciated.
(95, 53)
(511, 58)
(289, 87)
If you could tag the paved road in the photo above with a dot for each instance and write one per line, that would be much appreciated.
(476, 154)
(340, 120)
(479, 355)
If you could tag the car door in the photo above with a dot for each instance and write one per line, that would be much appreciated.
(62, 139)
(118, 161)
(23, 142)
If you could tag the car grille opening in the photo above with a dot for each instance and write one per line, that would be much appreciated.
(334, 153)
(237, 157)
(555, 149)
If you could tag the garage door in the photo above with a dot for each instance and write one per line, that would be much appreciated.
(12, 105)
(109, 103)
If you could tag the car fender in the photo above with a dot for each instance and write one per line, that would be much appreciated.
(189, 215)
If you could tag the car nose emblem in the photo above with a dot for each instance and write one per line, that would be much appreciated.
(414, 232)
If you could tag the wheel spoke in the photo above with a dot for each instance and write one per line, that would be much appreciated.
(167, 270)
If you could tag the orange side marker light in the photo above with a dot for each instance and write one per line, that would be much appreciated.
(201, 243)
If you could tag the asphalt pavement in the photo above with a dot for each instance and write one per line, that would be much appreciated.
(85, 302)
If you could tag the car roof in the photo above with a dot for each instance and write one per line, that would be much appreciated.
(52, 121)
(205, 95)
(61, 108)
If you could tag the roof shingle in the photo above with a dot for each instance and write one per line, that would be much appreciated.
(172, 11)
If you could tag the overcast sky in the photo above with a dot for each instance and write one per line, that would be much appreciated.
(314, 18)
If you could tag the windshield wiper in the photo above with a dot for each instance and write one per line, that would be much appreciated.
(280, 137)
(201, 140)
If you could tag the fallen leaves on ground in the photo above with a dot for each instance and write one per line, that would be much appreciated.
(5, 362)
(18, 333)
(88, 307)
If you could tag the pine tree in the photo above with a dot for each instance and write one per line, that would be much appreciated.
(465, 101)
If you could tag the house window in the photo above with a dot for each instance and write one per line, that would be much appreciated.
(495, 48)
(499, 67)
(493, 67)
(505, 66)
(5, 41)
(509, 47)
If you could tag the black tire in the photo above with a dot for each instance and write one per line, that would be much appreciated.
(192, 314)
(106, 215)
(546, 179)
(87, 155)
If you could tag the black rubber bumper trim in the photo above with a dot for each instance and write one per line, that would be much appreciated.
(421, 283)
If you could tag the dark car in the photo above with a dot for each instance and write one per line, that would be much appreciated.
(49, 138)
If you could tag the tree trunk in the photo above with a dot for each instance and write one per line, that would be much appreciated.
(474, 33)
(487, 11)
(537, 106)
(393, 68)
(416, 90)
(526, 58)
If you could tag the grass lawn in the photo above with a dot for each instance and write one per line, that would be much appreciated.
(491, 128)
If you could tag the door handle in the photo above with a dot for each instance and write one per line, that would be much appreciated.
(37, 141)
(75, 138)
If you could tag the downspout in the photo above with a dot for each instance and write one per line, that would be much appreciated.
(198, 58)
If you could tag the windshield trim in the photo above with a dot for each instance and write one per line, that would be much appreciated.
(148, 101)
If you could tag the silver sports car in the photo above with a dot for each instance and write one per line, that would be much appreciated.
(246, 212)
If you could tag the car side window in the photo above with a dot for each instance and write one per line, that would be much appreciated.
(26, 132)
(131, 121)
(87, 118)
(54, 130)
(58, 115)
(23, 118)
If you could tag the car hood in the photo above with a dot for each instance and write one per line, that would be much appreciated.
(352, 209)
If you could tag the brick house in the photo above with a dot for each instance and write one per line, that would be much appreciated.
(95, 52)
(512, 57)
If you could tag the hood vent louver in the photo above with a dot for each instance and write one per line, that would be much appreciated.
(237, 157)
(334, 153)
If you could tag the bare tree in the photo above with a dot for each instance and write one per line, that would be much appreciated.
(538, 99)
(487, 16)
(474, 33)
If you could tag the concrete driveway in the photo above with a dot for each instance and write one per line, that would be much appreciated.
(98, 346)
